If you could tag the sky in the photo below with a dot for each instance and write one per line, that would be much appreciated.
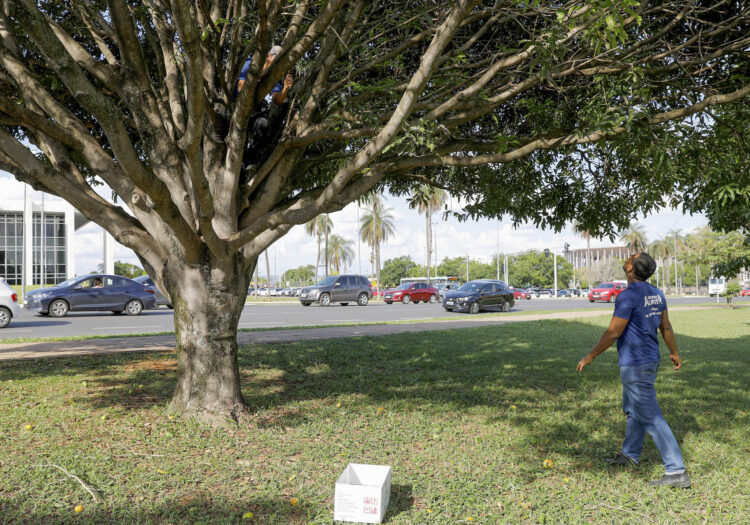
(477, 239)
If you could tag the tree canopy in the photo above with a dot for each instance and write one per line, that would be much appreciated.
(523, 108)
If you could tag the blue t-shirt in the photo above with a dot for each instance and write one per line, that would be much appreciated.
(243, 75)
(641, 305)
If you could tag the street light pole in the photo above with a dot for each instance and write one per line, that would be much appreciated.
(554, 260)
(434, 246)
(674, 238)
(497, 252)
(467, 268)
(359, 243)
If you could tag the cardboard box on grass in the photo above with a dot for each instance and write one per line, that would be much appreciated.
(362, 493)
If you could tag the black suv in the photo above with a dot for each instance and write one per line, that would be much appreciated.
(479, 295)
(341, 289)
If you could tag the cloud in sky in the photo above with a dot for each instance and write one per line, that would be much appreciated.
(477, 239)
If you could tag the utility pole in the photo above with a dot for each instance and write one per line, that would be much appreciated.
(359, 243)
(467, 268)
(497, 251)
(554, 260)
(674, 238)
(43, 244)
(434, 246)
(505, 268)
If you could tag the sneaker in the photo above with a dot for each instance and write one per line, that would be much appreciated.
(621, 460)
(672, 480)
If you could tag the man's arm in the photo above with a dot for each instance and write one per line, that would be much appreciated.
(668, 335)
(279, 97)
(610, 335)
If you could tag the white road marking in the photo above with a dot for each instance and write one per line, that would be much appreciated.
(126, 327)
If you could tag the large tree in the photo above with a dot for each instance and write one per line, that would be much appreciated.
(546, 111)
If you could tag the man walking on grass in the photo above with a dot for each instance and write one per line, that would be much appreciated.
(640, 311)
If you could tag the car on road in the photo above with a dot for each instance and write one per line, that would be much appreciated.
(519, 293)
(8, 304)
(607, 292)
(96, 292)
(442, 288)
(146, 281)
(342, 289)
(479, 295)
(745, 291)
(411, 293)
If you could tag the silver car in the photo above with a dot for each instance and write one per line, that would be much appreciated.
(8, 304)
(341, 289)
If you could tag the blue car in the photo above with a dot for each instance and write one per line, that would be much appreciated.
(482, 294)
(97, 292)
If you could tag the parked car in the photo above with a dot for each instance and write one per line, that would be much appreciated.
(411, 293)
(565, 292)
(533, 292)
(97, 292)
(745, 291)
(341, 289)
(8, 304)
(606, 292)
(146, 281)
(545, 292)
(518, 293)
(480, 295)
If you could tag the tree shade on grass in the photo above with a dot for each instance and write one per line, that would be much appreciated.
(466, 419)
(592, 111)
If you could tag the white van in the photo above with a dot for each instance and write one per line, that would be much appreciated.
(716, 286)
(8, 304)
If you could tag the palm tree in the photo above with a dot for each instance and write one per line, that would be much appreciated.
(320, 227)
(340, 252)
(661, 249)
(376, 226)
(428, 199)
(585, 234)
(634, 237)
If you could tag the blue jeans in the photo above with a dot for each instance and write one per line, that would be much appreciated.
(644, 415)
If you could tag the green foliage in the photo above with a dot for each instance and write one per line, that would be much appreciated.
(128, 269)
(536, 269)
(300, 276)
(395, 269)
(733, 290)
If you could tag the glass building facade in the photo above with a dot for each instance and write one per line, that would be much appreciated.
(11, 247)
(49, 248)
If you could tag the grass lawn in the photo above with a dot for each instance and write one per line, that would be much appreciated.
(465, 418)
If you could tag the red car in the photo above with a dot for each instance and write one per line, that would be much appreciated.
(745, 291)
(521, 294)
(411, 293)
(606, 292)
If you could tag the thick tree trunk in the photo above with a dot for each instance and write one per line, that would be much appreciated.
(208, 301)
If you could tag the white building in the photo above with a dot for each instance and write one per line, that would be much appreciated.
(36, 238)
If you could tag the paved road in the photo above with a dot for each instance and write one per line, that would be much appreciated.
(275, 315)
